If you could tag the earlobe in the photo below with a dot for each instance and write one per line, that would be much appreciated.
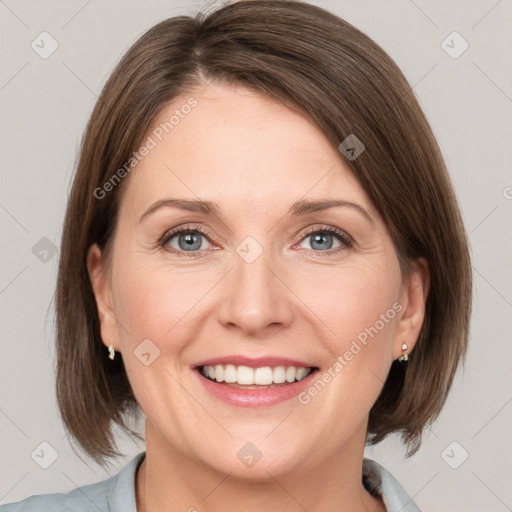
(413, 297)
(103, 296)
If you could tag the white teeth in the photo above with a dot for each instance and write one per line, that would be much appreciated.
(229, 373)
(290, 374)
(246, 375)
(301, 373)
(263, 376)
(279, 374)
(219, 373)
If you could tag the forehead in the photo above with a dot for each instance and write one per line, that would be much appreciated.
(237, 147)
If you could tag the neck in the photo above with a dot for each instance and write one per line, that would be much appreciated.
(170, 479)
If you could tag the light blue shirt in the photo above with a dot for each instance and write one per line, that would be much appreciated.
(117, 493)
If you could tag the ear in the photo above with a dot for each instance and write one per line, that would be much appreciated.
(101, 285)
(413, 297)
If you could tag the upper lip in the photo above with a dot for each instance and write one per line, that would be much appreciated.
(258, 362)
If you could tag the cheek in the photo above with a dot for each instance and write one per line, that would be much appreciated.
(155, 309)
(350, 299)
(359, 309)
(154, 303)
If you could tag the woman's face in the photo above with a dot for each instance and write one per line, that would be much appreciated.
(262, 276)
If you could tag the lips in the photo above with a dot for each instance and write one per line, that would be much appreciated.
(248, 395)
(259, 362)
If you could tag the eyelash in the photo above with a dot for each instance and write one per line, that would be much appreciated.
(342, 237)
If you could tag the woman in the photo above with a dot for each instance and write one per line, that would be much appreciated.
(222, 154)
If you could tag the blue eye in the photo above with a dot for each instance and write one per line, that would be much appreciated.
(189, 241)
(322, 239)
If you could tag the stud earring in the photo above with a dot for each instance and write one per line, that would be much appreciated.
(111, 352)
(404, 356)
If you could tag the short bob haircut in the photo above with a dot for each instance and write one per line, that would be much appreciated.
(312, 61)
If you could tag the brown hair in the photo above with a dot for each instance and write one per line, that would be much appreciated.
(310, 59)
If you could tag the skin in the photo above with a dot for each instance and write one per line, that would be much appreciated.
(254, 157)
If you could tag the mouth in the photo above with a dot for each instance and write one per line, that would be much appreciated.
(247, 378)
(243, 386)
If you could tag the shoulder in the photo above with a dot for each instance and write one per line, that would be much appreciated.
(117, 493)
(380, 482)
(87, 497)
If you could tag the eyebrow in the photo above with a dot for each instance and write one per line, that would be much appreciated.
(300, 207)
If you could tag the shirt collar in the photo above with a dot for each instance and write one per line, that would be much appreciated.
(378, 481)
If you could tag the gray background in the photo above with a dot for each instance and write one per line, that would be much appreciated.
(45, 104)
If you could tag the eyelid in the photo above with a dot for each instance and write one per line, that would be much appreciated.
(329, 229)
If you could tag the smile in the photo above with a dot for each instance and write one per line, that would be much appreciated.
(254, 377)
(244, 386)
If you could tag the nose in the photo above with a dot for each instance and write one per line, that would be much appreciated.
(257, 300)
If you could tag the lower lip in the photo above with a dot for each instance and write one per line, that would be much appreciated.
(255, 397)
